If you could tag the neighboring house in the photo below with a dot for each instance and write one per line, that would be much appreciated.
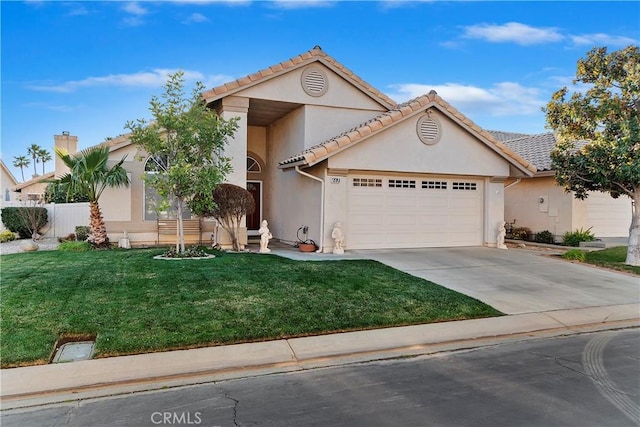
(34, 188)
(540, 204)
(7, 184)
(317, 145)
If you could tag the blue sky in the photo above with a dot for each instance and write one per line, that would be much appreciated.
(88, 67)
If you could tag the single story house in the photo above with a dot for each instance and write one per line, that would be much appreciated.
(317, 145)
(8, 183)
(539, 204)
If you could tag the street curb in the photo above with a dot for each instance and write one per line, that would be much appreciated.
(53, 383)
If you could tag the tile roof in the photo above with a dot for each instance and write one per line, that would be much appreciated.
(34, 180)
(315, 54)
(502, 136)
(536, 149)
(317, 153)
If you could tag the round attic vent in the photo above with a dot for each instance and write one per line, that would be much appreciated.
(314, 81)
(428, 129)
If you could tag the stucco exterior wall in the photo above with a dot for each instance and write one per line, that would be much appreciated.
(336, 208)
(291, 199)
(288, 88)
(554, 213)
(399, 149)
(560, 212)
(493, 209)
(323, 123)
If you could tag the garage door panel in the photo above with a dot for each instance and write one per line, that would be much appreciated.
(366, 201)
(415, 217)
(401, 218)
(365, 221)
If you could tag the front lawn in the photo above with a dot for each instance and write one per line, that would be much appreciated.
(611, 258)
(136, 304)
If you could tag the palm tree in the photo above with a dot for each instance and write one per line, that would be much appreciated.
(34, 151)
(21, 162)
(44, 157)
(89, 174)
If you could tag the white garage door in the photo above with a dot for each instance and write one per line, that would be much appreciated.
(392, 212)
(607, 216)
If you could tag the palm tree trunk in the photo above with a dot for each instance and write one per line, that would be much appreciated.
(22, 172)
(98, 236)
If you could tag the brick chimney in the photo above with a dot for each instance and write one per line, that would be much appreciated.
(67, 143)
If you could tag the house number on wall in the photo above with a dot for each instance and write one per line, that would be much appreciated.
(335, 180)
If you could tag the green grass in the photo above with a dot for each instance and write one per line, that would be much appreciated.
(611, 258)
(136, 304)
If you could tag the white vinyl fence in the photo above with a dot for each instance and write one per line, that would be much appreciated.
(62, 217)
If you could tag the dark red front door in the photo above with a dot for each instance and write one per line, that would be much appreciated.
(253, 220)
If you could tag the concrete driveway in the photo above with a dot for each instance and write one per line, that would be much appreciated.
(514, 281)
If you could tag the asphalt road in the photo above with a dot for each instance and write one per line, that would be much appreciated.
(580, 380)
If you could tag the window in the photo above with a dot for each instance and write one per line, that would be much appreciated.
(402, 183)
(154, 206)
(253, 166)
(469, 186)
(367, 182)
(435, 185)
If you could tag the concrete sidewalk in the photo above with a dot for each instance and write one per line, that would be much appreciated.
(38, 385)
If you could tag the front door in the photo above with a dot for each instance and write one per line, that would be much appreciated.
(253, 220)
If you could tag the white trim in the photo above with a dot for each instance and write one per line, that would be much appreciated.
(255, 232)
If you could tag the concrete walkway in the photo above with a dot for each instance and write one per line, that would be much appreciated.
(544, 297)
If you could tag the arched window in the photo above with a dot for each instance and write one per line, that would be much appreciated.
(253, 166)
(154, 206)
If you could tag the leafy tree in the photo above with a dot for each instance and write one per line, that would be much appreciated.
(58, 192)
(232, 203)
(21, 162)
(598, 132)
(90, 175)
(44, 156)
(34, 152)
(186, 139)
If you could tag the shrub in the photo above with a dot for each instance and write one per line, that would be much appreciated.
(82, 233)
(74, 246)
(7, 236)
(232, 204)
(520, 233)
(575, 255)
(23, 220)
(573, 238)
(68, 238)
(193, 252)
(544, 237)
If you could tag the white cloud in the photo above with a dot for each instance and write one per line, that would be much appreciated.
(136, 12)
(513, 32)
(506, 98)
(134, 8)
(301, 4)
(77, 10)
(601, 39)
(153, 78)
(216, 80)
(196, 18)
(53, 107)
(225, 2)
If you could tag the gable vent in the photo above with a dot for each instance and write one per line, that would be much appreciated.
(428, 129)
(314, 81)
